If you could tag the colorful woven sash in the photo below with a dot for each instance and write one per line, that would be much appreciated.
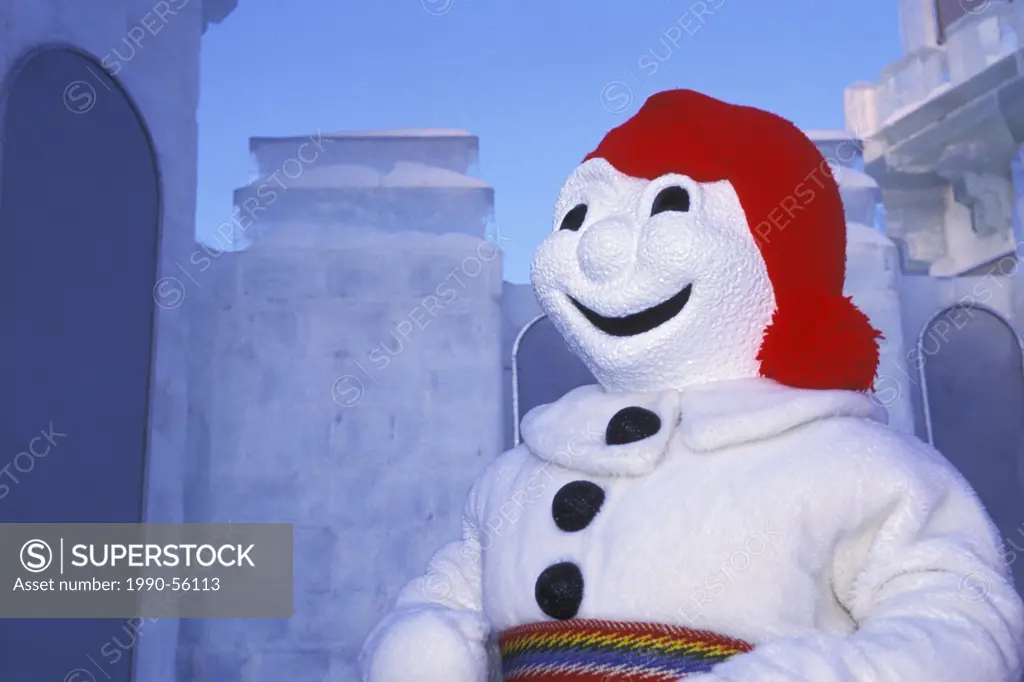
(606, 651)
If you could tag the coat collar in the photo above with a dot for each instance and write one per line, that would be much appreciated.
(571, 431)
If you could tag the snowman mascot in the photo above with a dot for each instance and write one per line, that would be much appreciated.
(728, 505)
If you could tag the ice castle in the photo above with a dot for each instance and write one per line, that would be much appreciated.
(361, 327)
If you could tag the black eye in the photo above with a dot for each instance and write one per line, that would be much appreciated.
(671, 199)
(573, 220)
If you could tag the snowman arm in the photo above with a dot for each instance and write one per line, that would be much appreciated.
(436, 631)
(923, 577)
(452, 579)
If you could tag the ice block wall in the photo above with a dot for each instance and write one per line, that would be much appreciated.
(873, 280)
(872, 272)
(917, 22)
(352, 383)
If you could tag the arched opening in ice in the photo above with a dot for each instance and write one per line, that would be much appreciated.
(971, 366)
(80, 220)
(543, 369)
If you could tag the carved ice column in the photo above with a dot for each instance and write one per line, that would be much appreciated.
(917, 24)
(978, 215)
(989, 199)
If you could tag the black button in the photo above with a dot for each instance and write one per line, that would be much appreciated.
(631, 424)
(576, 505)
(559, 590)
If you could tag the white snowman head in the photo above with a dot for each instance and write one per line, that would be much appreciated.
(704, 241)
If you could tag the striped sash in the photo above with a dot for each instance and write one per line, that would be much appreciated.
(606, 651)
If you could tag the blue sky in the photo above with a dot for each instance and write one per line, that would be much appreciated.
(539, 81)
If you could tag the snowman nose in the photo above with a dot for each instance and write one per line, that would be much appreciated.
(606, 249)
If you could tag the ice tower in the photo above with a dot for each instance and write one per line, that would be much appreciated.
(348, 380)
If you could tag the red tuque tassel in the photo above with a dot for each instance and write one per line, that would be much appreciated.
(820, 343)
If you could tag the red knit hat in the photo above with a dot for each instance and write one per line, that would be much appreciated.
(817, 338)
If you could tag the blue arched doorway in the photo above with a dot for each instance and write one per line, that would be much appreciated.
(972, 379)
(543, 369)
(79, 229)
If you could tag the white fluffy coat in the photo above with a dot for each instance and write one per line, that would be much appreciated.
(795, 520)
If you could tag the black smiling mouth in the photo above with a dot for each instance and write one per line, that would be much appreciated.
(637, 323)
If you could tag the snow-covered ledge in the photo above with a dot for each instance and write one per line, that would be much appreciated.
(399, 180)
(979, 118)
(911, 80)
(966, 137)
